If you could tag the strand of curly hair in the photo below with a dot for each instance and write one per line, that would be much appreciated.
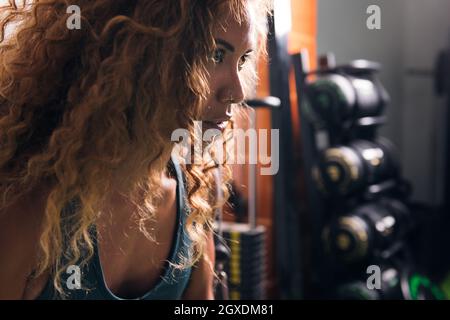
(87, 109)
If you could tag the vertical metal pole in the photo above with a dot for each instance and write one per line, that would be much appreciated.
(252, 176)
(287, 225)
(447, 153)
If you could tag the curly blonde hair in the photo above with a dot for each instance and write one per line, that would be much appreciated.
(87, 109)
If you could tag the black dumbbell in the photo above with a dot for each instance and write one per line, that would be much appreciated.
(396, 283)
(339, 97)
(367, 230)
(344, 169)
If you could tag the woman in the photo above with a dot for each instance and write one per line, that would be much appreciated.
(94, 204)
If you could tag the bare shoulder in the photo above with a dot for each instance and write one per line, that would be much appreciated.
(20, 225)
(200, 286)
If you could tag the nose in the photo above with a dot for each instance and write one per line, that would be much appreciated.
(233, 91)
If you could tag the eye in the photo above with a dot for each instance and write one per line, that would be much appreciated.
(218, 55)
(243, 60)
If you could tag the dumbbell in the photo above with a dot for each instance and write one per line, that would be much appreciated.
(344, 169)
(397, 283)
(368, 229)
(341, 96)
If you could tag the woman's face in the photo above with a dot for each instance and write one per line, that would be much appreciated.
(235, 44)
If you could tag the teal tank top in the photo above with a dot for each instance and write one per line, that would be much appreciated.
(173, 281)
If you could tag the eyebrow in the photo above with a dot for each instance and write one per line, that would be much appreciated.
(228, 45)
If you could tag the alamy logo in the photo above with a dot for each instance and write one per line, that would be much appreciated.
(73, 282)
(373, 22)
(74, 20)
(374, 280)
(257, 142)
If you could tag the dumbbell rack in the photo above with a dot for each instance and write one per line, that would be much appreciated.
(325, 272)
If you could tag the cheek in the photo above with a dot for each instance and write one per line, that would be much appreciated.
(213, 84)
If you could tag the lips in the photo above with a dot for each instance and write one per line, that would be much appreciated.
(216, 124)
